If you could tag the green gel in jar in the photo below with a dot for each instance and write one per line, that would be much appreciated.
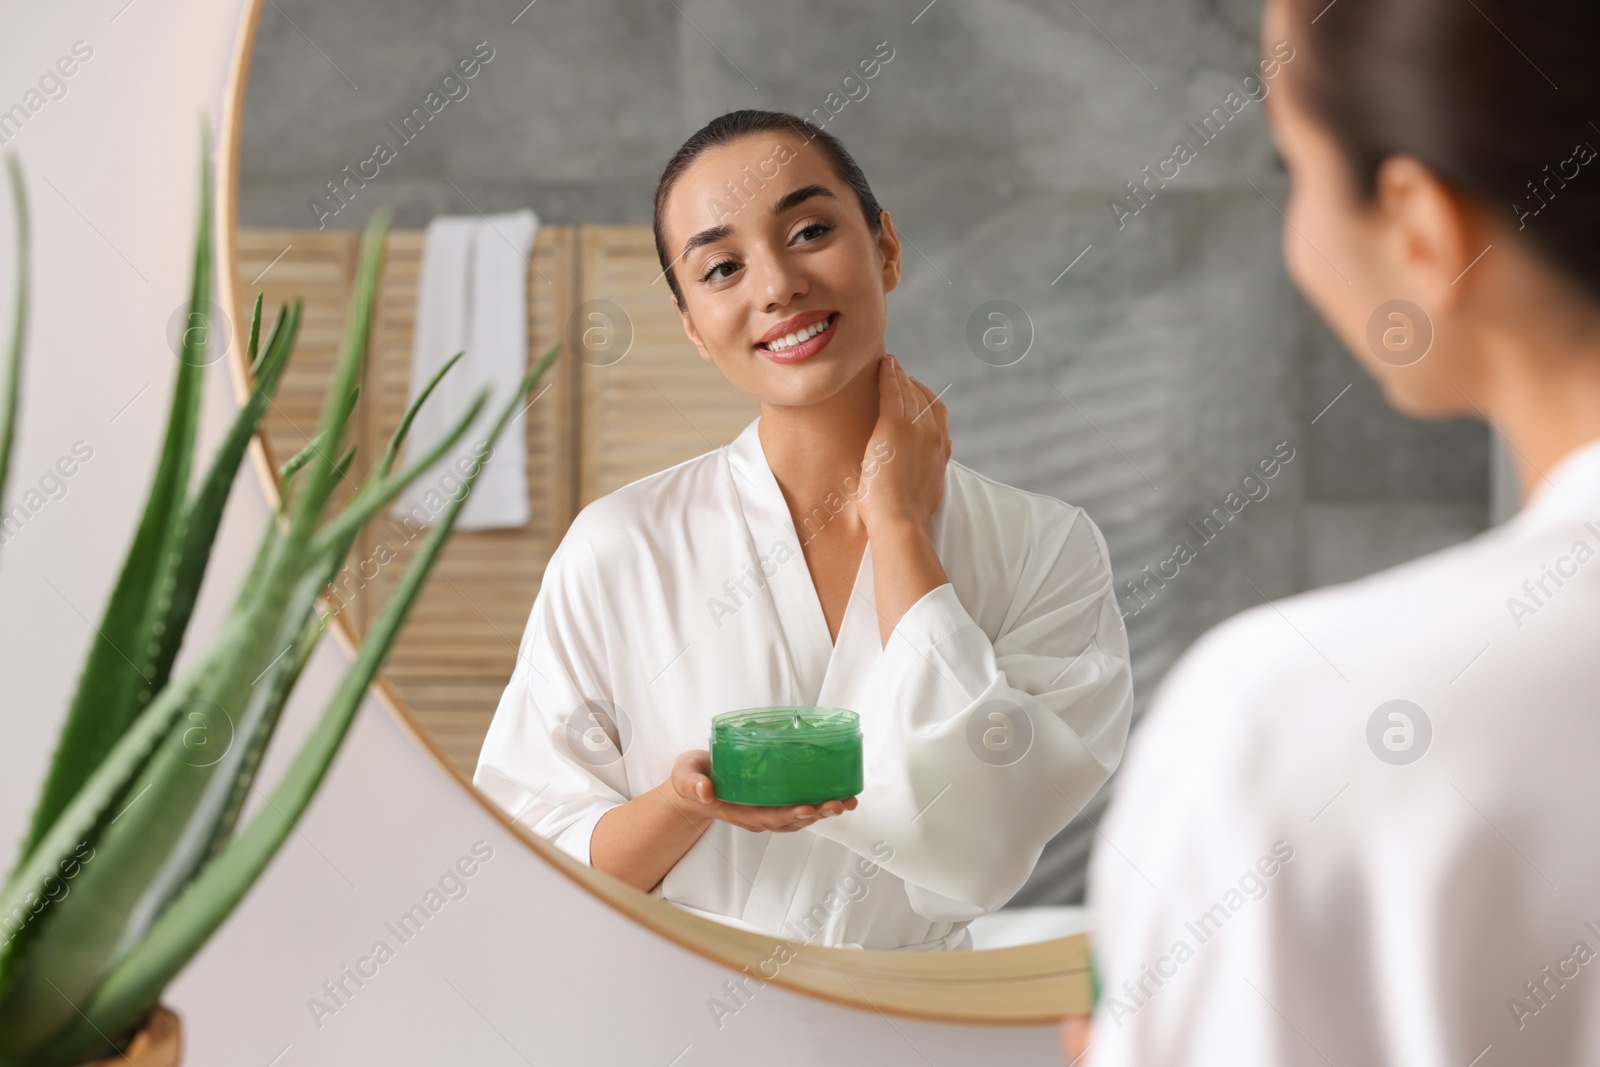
(780, 756)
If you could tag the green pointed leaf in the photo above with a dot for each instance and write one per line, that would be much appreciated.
(92, 806)
(135, 984)
(204, 513)
(317, 483)
(19, 324)
(373, 497)
(117, 680)
(261, 722)
(153, 846)
(377, 494)
(398, 438)
(150, 847)
(255, 338)
(274, 695)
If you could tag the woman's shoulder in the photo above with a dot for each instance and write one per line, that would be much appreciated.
(1286, 676)
(1380, 622)
(1010, 500)
(980, 508)
(647, 507)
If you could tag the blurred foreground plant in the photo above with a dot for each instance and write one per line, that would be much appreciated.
(134, 857)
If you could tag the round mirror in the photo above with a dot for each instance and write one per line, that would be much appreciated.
(1088, 204)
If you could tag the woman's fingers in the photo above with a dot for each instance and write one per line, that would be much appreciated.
(910, 399)
(779, 820)
(938, 417)
(691, 776)
(1076, 1032)
(918, 398)
(890, 387)
(930, 399)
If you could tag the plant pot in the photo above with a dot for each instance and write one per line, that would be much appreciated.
(159, 1043)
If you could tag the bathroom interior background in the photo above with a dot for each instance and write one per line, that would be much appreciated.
(1169, 352)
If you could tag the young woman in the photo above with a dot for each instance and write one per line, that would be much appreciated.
(1369, 811)
(832, 555)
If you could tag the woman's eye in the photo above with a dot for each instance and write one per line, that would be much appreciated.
(715, 267)
(817, 229)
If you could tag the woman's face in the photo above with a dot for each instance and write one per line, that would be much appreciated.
(1355, 261)
(770, 243)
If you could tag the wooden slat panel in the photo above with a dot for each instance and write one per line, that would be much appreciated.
(661, 403)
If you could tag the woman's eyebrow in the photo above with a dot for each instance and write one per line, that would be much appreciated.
(787, 201)
(800, 196)
(704, 237)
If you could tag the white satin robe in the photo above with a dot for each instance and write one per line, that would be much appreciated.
(1425, 896)
(685, 594)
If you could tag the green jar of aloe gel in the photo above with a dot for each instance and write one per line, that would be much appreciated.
(778, 756)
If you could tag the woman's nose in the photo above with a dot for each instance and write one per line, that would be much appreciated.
(780, 282)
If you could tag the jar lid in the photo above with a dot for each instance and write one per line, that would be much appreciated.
(785, 723)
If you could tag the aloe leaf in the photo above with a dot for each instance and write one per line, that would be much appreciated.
(205, 511)
(117, 678)
(19, 324)
(77, 824)
(144, 849)
(304, 627)
(261, 719)
(234, 745)
(292, 466)
(286, 552)
(265, 553)
(374, 496)
(319, 479)
(319, 447)
(274, 695)
(348, 529)
(398, 438)
(252, 347)
(152, 845)
(155, 845)
(134, 985)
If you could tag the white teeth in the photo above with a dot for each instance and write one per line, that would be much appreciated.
(798, 337)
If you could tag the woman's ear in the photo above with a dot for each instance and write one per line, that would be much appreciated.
(1435, 234)
(689, 331)
(889, 249)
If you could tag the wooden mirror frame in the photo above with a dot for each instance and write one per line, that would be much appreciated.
(1032, 984)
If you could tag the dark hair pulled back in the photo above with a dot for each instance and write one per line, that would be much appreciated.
(1494, 96)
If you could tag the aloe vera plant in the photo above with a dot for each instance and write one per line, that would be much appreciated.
(135, 855)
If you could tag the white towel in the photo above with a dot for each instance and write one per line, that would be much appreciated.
(471, 297)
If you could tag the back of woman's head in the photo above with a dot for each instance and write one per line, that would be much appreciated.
(1499, 98)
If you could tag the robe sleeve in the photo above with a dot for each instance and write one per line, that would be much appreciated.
(552, 757)
(977, 751)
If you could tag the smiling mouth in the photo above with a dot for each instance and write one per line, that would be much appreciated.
(799, 337)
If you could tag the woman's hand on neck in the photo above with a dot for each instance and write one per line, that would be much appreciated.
(816, 450)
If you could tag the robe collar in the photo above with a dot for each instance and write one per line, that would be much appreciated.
(1569, 489)
(822, 672)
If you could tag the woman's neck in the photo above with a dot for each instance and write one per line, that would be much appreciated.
(1545, 403)
(1534, 373)
(815, 451)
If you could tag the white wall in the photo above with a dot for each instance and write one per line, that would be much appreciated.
(525, 968)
